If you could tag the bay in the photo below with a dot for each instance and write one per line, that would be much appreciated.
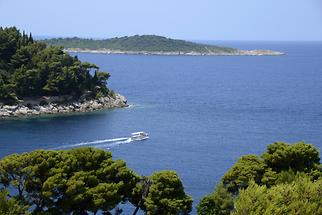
(202, 112)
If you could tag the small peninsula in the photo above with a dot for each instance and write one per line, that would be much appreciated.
(36, 79)
(150, 45)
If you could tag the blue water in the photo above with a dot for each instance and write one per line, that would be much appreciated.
(202, 113)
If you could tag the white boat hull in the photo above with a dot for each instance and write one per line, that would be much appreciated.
(138, 138)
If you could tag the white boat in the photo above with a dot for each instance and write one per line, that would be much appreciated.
(139, 136)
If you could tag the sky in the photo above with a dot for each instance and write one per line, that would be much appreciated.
(263, 20)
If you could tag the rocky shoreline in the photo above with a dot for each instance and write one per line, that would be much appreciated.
(25, 110)
(235, 53)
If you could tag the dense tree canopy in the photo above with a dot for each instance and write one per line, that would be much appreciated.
(282, 163)
(30, 69)
(80, 180)
(299, 157)
(84, 180)
(88, 180)
(302, 196)
(249, 167)
(162, 193)
(137, 43)
(221, 202)
(166, 195)
(10, 206)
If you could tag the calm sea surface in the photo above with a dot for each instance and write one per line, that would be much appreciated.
(202, 113)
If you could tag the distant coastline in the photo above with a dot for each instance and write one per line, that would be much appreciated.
(151, 45)
(193, 53)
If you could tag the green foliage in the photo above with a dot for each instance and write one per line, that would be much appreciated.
(299, 156)
(147, 43)
(302, 196)
(221, 202)
(166, 195)
(30, 69)
(79, 180)
(249, 167)
(85, 180)
(162, 193)
(10, 206)
(281, 164)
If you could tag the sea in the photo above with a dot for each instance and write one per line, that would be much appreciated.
(202, 112)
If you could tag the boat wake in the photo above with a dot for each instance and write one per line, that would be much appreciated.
(107, 143)
(103, 144)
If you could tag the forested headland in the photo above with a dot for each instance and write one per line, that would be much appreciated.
(36, 79)
(286, 179)
(149, 45)
(29, 68)
(137, 43)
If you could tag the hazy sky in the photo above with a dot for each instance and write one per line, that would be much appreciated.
(186, 19)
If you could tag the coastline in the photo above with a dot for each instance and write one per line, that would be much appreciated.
(236, 53)
(26, 110)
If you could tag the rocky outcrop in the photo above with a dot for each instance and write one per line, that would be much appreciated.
(32, 109)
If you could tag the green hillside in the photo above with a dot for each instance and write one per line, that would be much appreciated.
(148, 43)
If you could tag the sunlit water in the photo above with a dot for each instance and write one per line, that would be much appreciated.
(202, 113)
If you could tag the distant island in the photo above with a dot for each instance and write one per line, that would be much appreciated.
(149, 45)
(36, 79)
